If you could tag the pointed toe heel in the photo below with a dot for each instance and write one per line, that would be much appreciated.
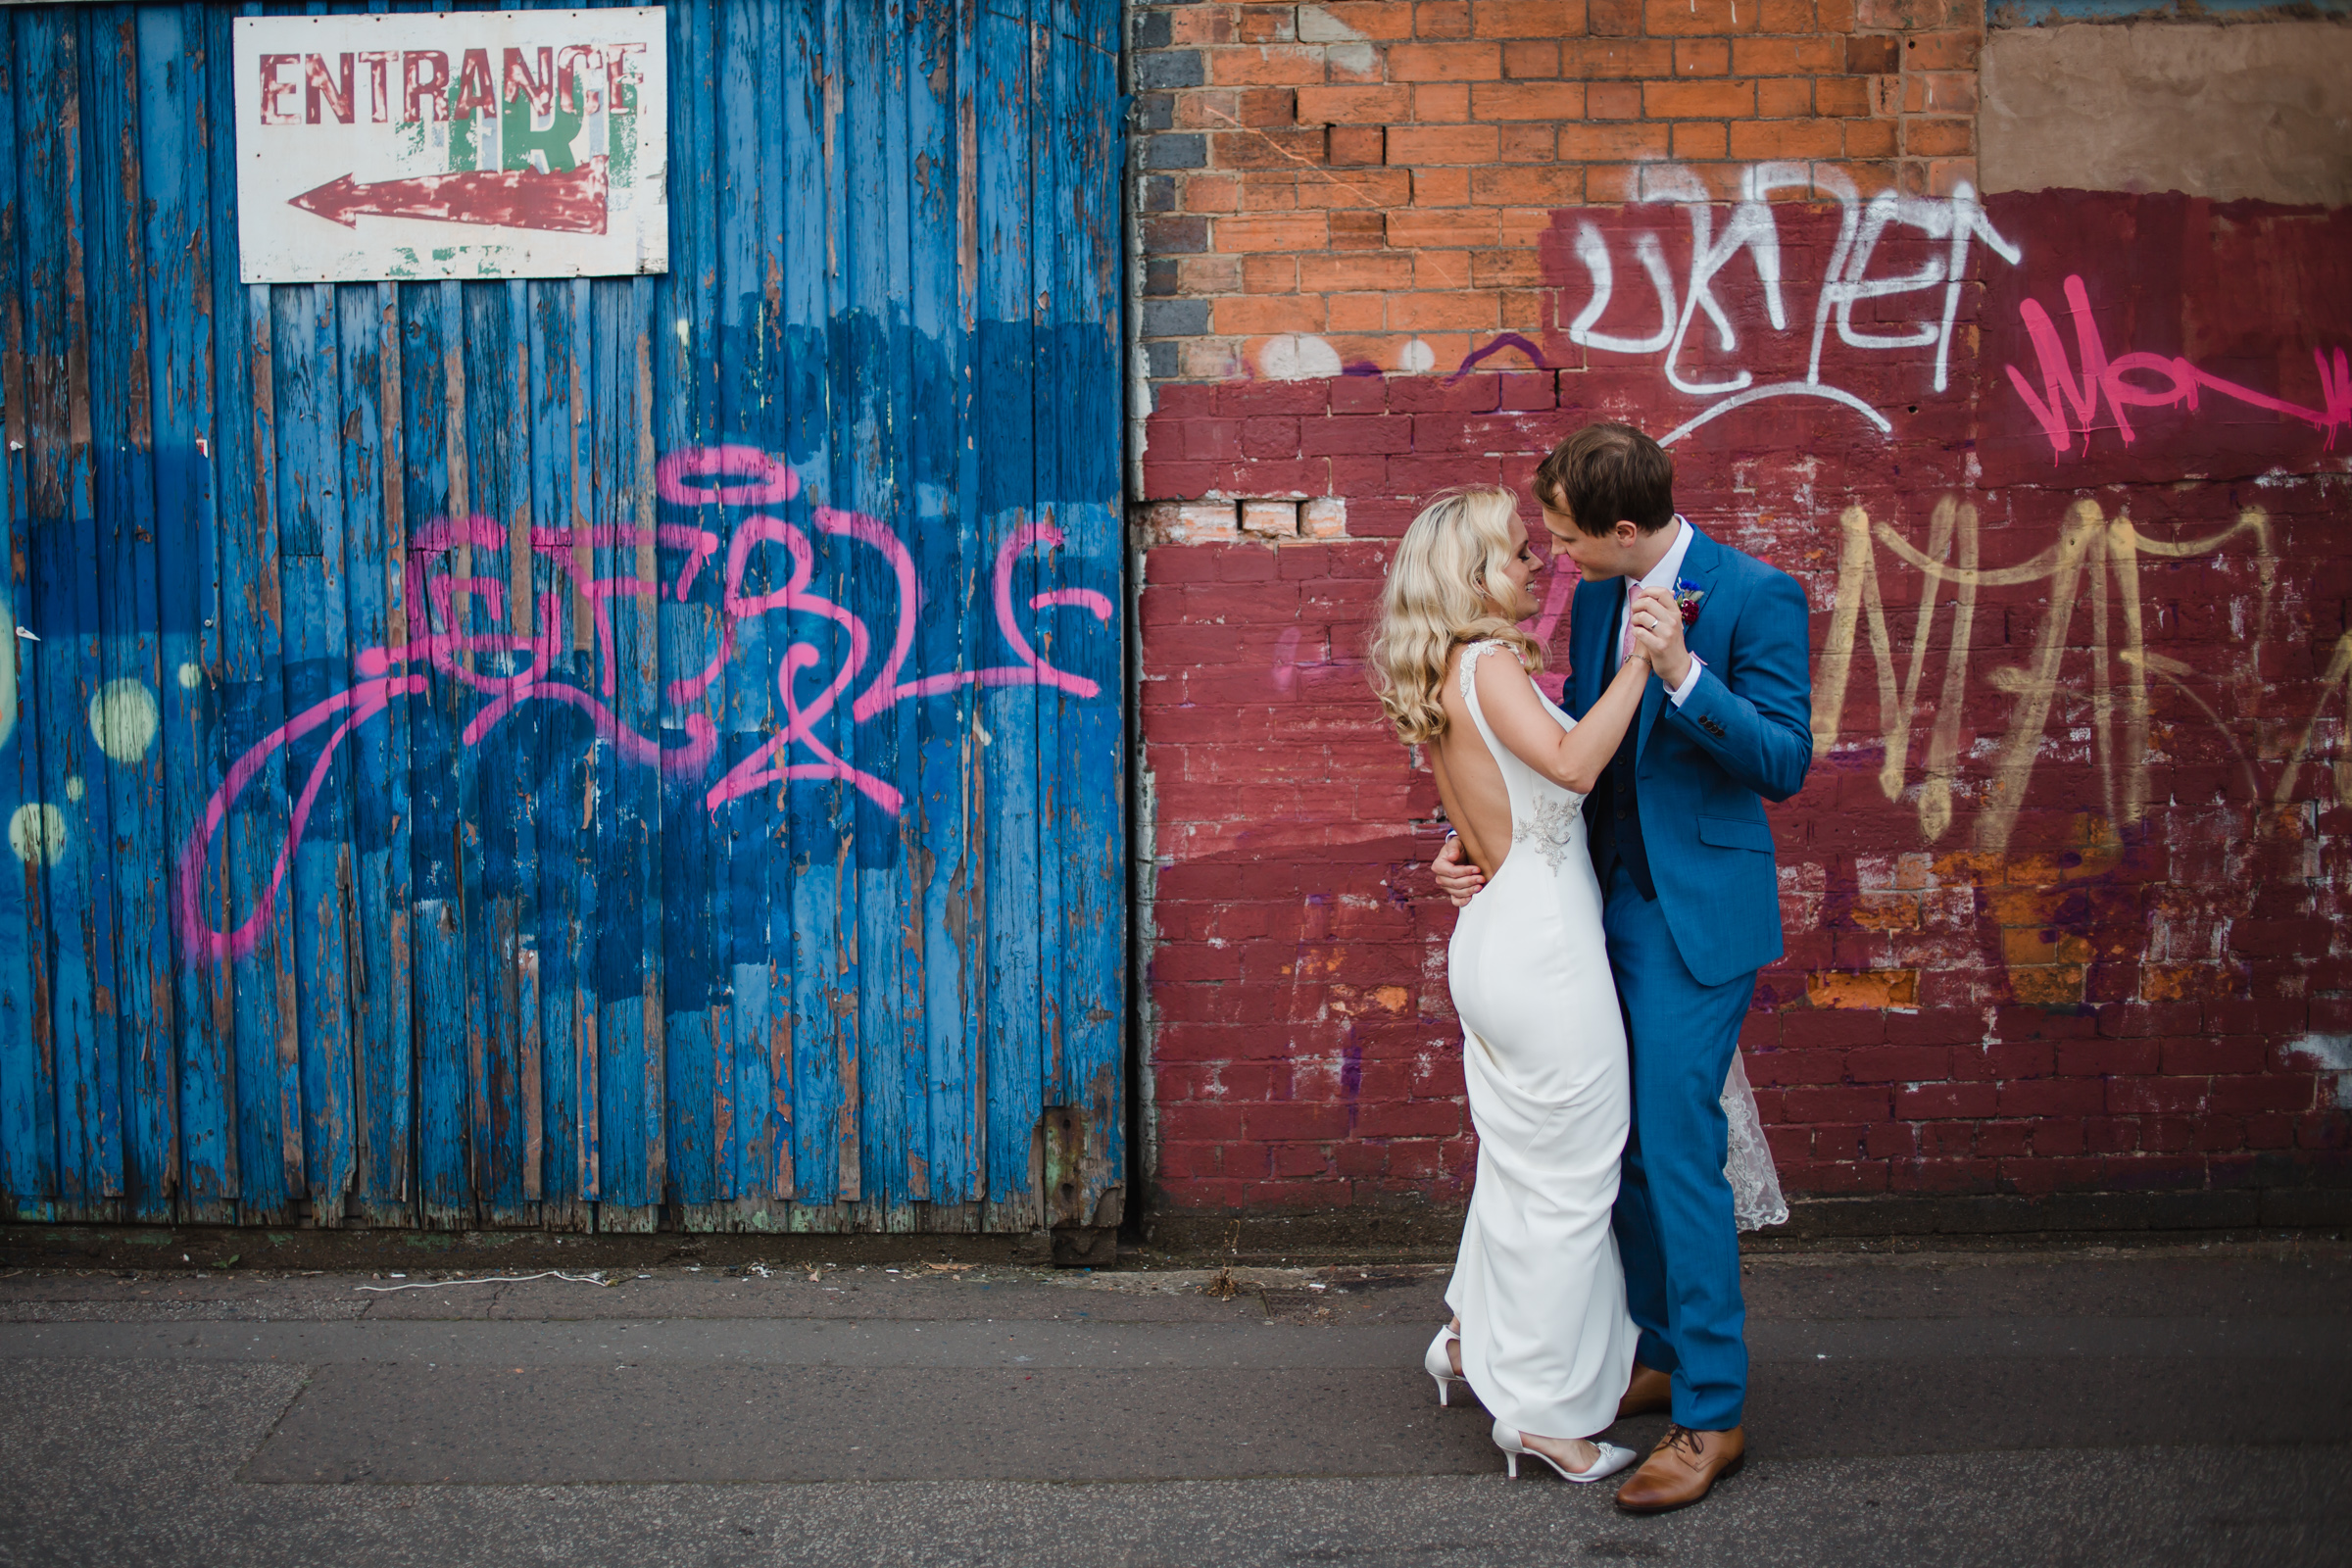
(1610, 1461)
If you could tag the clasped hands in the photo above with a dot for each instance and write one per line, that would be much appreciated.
(1656, 623)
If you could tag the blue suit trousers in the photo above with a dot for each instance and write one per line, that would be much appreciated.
(1672, 1199)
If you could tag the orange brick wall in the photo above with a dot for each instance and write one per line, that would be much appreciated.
(1377, 173)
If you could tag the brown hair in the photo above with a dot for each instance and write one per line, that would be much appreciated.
(1609, 473)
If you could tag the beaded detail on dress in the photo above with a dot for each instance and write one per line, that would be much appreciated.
(1470, 664)
(1552, 831)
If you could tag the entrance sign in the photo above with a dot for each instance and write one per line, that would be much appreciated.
(452, 145)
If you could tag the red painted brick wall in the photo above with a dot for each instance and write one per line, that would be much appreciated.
(2062, 895)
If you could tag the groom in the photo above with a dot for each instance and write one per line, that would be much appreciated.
(1693, 903)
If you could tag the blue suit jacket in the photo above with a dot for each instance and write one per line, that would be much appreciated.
(1704, 769)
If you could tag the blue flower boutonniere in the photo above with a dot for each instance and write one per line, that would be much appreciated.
(1686, 597)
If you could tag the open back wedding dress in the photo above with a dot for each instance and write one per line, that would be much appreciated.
(1547, 1341)
(1547, 1345)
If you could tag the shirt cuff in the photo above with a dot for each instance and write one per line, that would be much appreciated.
(1689, 682)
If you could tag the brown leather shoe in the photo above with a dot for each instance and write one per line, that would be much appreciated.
(1682, 1469)
(1649, 1389)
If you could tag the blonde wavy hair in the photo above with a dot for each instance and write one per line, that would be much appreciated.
(1436, 597)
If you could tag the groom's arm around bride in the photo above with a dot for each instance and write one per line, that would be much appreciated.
(1685, 858)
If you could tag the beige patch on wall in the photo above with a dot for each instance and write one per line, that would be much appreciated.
(8, 672)
(2259, 110)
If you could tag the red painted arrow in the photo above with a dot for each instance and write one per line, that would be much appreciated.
(573, 201)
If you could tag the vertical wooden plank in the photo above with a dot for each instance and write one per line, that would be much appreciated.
(1004, 421)
(28, 1080)
(244, 863)
(745, 69)
(257, 854)
(793, 242)
(823, 993)
(126, 716)
(578, 906)
(619, 313)
(1049, 190)
(872, 432)
(641, 685)
(632, 1158)
(432, 429)
(307, 379)
(78, 960)
(95, 1089)
(552, 1153)
(939, 867)
(374, 539)
(1085, 822)
(579, 903)
(684, 414)
(479, 841)
(763, 976)
(514, 742)
(495, 833)
(777, 370)
(180, 257)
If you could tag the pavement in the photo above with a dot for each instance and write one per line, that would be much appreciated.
(2163, 1404)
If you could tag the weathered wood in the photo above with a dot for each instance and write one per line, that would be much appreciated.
(374, 554)
(606, 753)
(176, 155)
(1005, 402)
(77, 876)
(28, 1092)
(126, 715)
(950, 626)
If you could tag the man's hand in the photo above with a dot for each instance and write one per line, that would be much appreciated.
(1658, 623)
(1458, 877)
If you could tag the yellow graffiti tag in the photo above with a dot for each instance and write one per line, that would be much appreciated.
(2094, 564)
(2337, 684)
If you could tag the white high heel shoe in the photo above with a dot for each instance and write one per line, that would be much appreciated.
(1612, 1458)
(1438, 1365)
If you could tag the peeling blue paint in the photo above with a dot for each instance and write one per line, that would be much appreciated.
(503, 852)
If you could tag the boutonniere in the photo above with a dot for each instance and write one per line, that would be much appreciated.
(1686, 597)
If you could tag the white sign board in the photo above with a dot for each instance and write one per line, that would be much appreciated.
(452, 145)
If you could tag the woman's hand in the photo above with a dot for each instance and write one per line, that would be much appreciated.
(1657, 626)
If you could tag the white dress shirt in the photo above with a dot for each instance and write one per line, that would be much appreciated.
(1663, 575)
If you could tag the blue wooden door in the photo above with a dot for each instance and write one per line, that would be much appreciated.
(608, 753)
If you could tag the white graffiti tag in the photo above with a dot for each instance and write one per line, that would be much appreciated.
(1955, 222)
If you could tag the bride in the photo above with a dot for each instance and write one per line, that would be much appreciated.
(1541, 1333)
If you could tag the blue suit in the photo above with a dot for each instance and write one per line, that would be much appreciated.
(1680, 816)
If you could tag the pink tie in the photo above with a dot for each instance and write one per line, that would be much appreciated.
(1625, 645)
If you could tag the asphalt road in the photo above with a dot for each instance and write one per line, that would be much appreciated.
(2172, 1406)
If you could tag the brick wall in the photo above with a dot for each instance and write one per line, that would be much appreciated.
(2063, 893)
(1379, 175)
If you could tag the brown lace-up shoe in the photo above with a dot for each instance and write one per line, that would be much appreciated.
(1682, 1469)
(1649, 1389)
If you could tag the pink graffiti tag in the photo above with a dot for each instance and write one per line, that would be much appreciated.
(2067, 399)
(886, 690)
(407, 669)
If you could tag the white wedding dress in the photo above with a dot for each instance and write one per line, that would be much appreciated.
(1547, 1345)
